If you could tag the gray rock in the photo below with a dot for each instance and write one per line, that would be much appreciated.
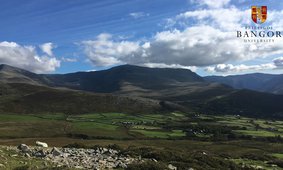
(24, 148)
(171, 167)
(40, 154)
(27, 155)
(41, 144)
(56, 152)
(123, 165)
(101, 158)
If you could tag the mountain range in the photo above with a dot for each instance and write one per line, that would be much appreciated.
(259, 82)
(131, 89)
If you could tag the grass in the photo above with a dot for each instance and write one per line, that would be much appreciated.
(259, 133)
(16, 118)
(143, 128)
(153, 134)
(111, 125)
(93, 126)
(255, 164)
(11, 160)
(177, 133)
(226, 151)
(160, 134)
(278, 155)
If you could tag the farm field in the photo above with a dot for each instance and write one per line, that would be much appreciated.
(135, 126)
(224, 140)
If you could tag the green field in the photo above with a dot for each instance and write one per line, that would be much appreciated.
(120, 125)
(235, 140)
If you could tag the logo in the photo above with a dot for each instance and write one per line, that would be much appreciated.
(259, 14)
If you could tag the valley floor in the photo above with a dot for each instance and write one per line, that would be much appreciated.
(182, 140)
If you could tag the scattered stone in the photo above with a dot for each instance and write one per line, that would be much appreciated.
(24, 148)
(45, 164)
(79, 167)
(39, 154)
(100, 158)
(171, 167)
(27, 155)
(56, 152)
(154, 160)
(42, 144)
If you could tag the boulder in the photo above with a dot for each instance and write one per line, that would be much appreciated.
(27, 155)
(41, 144)
(171, 167)
(24, 148)
(56, 152)
(40, 154)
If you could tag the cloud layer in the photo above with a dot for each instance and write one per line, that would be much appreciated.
(47, 48)
(205, 37)
(137, 15)
(211, 4)
(26, 57)
(230, 68)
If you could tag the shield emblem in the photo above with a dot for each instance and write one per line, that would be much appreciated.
(259, 14)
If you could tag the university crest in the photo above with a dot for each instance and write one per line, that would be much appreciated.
(259, 14)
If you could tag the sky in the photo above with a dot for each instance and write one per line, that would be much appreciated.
(63, 36)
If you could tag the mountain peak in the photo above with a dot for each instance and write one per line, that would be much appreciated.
(8, 68)
(130, 66)
(161, 74)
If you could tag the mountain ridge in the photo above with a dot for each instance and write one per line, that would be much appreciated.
(269, 83)
(169, 90)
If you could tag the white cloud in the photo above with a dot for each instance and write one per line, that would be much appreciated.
(138, 15)
(47, 48)
(278, 62)
(105, 52)
(26, 57)
(225, 19)
(229, 68)
(162, 65)
(195, 46)
(71, 60)
(207, 36)
(212, 3)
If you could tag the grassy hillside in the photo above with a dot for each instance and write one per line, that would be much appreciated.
(257, 81)
(25, 98)
(130, 89)
(248, 103)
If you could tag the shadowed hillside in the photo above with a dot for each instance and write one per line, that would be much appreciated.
(132, 89)
(26, 98)
(259, 82)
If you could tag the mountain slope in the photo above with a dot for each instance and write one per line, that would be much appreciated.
(179, 86)
(164, 84)
(133, 89)
(257, 81)
(27, 99)
(9, 74)
(109, 81)
(246, 102)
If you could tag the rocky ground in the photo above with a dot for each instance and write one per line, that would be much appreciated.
(99, 158)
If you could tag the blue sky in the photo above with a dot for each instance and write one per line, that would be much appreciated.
(73, 27)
